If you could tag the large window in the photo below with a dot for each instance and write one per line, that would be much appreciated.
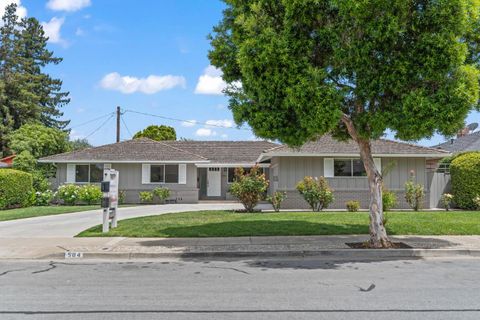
(167, 173)
(231, 173)
(86, 173)
(348, 168)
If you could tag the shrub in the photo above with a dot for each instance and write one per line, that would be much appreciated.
(465, 175)
(161, 193)
(276, 200)
(68, 193)
(15, 188)
(40, 183)
(316, 192)
(446, 200)
(353, 206)
(90, 194)
(414, 194)
(145, 196)
(476, 201)
(43, 198)
(122, 195)
(389, 200)
(249, 188)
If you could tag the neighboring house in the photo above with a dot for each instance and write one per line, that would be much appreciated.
(463, 143)
(203, 170)
(7, 162)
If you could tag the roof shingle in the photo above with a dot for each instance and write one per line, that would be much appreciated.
(469, 142)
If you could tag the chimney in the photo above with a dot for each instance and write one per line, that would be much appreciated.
(463, 132)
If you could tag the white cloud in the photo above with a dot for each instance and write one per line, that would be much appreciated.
(205, 132)
(211, 82)
(68, 5)
(219, 123)
(79, 32)
(148, 85)
(189, 123)
(21, 10)
(74, 135)
(52, 30)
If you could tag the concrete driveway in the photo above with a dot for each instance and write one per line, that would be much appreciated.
(69, 225)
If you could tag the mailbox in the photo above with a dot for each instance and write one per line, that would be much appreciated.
(109, 187)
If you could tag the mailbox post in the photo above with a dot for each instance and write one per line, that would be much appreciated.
(110, 198)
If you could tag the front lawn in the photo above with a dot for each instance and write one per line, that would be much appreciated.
(228, 224)
(29, 212)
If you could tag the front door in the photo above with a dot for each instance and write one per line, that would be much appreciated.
(214, 186)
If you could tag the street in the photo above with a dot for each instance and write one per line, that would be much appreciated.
(281, 288)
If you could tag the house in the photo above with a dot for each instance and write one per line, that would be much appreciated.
(203, 170)
(463, 143)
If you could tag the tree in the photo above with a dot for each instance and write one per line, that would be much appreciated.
(297, 70)
(79, 144)
(157, 133)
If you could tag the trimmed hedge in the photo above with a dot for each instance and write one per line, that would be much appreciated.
(15, 188)
(465, 174)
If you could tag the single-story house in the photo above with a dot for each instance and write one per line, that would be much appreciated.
(203, 170)
(462, 143)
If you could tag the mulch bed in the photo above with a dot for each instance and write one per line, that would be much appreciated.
(366, 245)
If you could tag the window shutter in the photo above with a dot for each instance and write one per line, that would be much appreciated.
(70, 173)
(145, 173)
(328, 167)
(182, 173)
(378, 164)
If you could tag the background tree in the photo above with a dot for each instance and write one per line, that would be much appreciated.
(79, 144)
(351, 68)
(157, 133)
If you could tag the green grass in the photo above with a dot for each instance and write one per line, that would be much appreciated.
(229, 224)
(29, 212)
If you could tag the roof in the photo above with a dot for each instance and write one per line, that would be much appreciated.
(146, 150)
(326, 146)
(138, 150)
(470, 142)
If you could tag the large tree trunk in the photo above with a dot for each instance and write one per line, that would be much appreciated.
(378, 234)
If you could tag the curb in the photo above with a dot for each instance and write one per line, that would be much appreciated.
(336, 254)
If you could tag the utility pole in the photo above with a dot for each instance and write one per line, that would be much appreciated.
(119, 114)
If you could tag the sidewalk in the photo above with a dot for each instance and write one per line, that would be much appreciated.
(151, 248)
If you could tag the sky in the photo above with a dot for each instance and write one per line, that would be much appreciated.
(146, 56)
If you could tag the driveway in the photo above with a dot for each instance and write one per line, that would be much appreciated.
(69, 225)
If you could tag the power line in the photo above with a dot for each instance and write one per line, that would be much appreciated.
(187, 121)
(103, 123)
(125, 124)
(93, 120)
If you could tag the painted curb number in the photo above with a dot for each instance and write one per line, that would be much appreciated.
(73, 255)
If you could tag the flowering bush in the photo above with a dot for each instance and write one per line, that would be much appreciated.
(68, 193)
(446, 200)
(145, 196)
(43, 198)
(162, 193)
(276, 200)
(90, 194)
(316, 192)
(353, 206)
(414, 194)
(249, 188)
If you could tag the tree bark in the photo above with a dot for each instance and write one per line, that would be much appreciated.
(378, 234)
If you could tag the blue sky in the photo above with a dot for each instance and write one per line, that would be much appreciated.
(148, 56)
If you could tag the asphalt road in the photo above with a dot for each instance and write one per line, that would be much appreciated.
(242, 289)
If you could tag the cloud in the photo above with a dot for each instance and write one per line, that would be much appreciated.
(52, 30)
(21, 10)
(68, 5)
(149, 85)
(189, 123)
(205, 132)
(210, 82)
(219, 123)
(79, 32)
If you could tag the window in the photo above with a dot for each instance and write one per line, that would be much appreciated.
(85, 173)
(231, 173)
(348, 168)
(164, 173)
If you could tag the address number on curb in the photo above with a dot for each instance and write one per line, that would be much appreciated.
(73, 255)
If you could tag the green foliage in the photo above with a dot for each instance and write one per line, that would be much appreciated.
(316, 192)
(446, 200)
(162, 193)
(15, 188)
(389, 200)
(414, 194)
(465, 175)
(90, 194)
(353, 206)
(68, 193)
(157, 133)
(40, 183)
(249, 188)
(145, 196)
(24, 161)
(79, 144)
(276, 200)
(476, 202)
(43, 198)
(122, 195)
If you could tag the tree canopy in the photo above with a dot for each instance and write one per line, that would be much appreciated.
(157, 133)
(297, 70)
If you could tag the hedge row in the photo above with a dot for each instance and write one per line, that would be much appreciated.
(15, 188)
(465, 174)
